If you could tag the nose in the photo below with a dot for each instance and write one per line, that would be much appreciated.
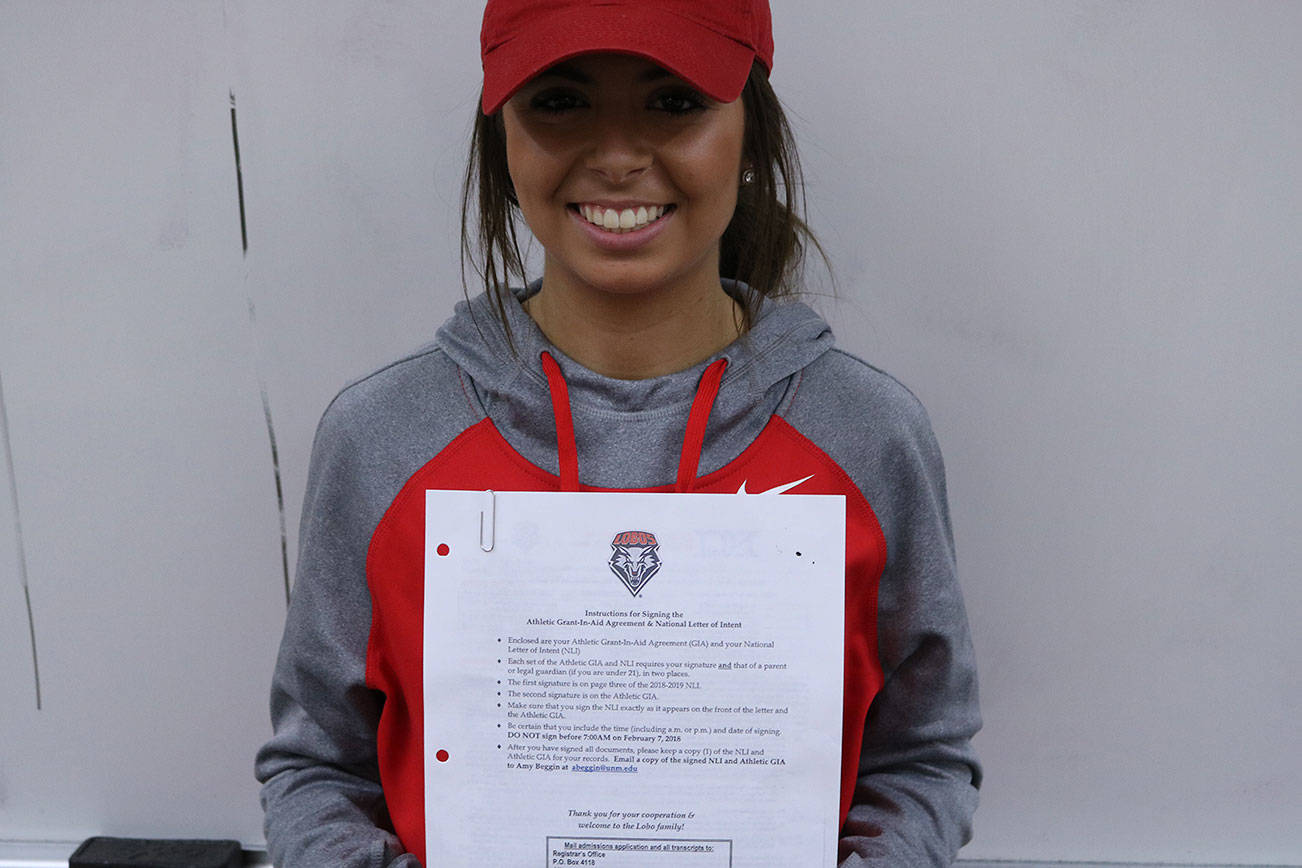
(618, 151)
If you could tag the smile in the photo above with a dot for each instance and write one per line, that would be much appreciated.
(618, 222)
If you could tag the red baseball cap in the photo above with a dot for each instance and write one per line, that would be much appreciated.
(710, 44)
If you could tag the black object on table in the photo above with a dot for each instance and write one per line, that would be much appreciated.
(104, 852)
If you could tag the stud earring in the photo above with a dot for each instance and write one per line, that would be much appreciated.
(748, 176)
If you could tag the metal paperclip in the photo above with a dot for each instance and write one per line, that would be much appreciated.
(492, 520)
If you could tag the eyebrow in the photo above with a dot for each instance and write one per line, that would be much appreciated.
(570, 72)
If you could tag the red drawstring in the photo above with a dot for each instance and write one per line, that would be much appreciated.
(567, 450)
(694, 435)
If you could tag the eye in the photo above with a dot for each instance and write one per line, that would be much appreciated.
(555, 102)
(679, 102)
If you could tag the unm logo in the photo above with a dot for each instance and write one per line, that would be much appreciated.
(635, 558)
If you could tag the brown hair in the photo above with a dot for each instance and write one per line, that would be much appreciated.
(763, 246)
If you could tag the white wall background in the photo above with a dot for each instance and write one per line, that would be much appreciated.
(1073, 228)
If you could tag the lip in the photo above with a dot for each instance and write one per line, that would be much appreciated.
(620, 204)
(626, 241)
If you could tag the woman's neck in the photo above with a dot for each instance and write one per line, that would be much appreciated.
(639, 335)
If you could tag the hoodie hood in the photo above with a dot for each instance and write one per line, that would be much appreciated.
(628, 432)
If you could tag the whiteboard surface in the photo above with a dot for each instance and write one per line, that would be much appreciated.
(1072, 228)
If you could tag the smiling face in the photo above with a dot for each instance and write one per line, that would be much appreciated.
(626, 175)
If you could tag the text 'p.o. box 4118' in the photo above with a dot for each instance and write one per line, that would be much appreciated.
(621, 679)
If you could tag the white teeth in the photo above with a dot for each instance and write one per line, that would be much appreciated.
(620, 222)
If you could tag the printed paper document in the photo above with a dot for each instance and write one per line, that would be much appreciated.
(629, 679)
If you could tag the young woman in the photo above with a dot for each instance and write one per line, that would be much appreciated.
(645, 151)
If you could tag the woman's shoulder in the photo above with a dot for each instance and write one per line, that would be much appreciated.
(843, 387)
(409, 398)
(875, 429)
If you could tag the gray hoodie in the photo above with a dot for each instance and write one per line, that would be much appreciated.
(343, 774)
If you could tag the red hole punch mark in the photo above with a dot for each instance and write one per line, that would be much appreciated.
(443, 550)
(441, 756)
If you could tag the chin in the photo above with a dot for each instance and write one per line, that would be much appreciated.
(634, 277)
(627, 282)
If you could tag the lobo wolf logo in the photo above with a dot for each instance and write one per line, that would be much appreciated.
(635, 558)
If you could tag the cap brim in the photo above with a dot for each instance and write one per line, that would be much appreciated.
(714, 64)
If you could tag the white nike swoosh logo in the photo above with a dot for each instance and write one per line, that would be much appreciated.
(777, 490)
